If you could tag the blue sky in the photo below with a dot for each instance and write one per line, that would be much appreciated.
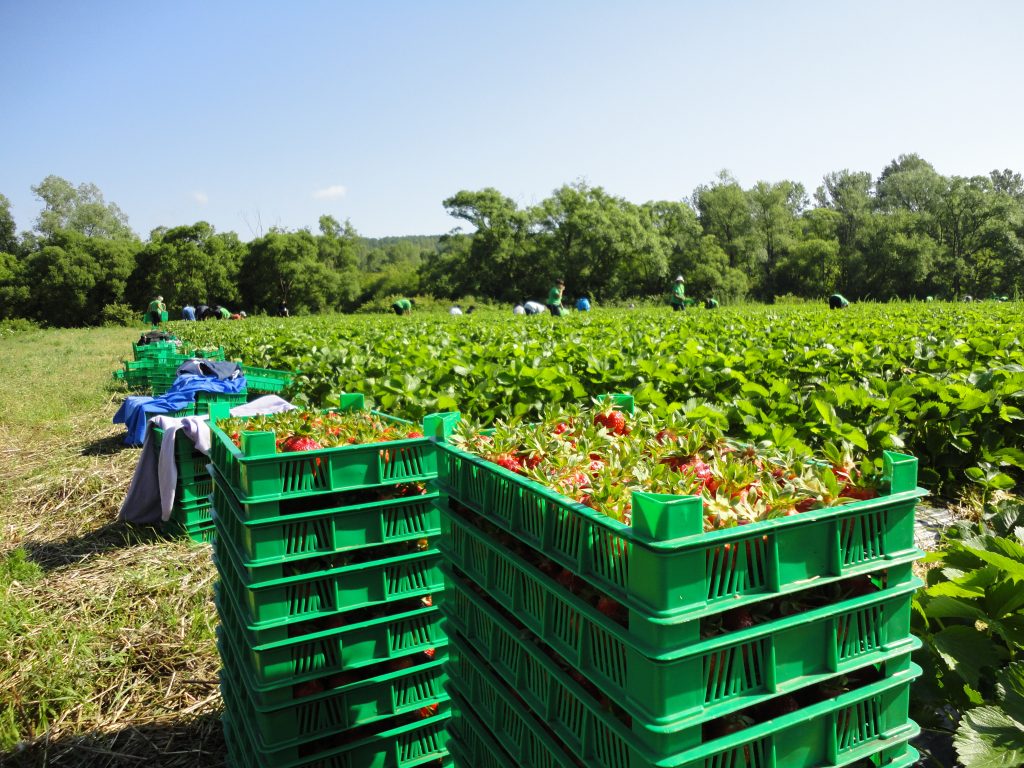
(253, 114)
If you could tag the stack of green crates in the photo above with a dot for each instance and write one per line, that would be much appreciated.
(577, 640)
(156, 365)
(190, 515)
(331, 644)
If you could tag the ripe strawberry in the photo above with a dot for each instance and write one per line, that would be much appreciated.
(427, 601)
(613, 421)
(429, 711)
(430, 653)
(561, 428)
(613, 609)
(300, 443)
(308, 688)
(509, 461)
(737, 619)
(414, 433)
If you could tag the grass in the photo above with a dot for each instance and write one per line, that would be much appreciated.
(107, 648)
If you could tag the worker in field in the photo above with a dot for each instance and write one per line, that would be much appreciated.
(188, 312)
(533, 308)
(838, 301)
(402, 306)
(711, 303)
(678, 296)
(155, 312)
(555, 298)
(223, 313)
(583, 304)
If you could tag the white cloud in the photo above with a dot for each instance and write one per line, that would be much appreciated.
(200, 197)
(328, 193)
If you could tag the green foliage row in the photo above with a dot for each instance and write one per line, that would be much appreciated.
(942, 381)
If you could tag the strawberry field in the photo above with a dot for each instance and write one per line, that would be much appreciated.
(943, 382)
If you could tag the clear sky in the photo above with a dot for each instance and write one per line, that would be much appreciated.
(253, 114)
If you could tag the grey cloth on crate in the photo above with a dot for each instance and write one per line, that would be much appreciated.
(219, 369)
(151, 494)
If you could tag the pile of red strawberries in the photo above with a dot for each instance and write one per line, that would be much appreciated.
(599, 456)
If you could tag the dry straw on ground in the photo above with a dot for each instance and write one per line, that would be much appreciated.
(109, 656)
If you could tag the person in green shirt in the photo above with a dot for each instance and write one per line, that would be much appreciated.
(555, 297)
(402, 307)
(679, 295)
(156, 310)
(838, 301)
(710, 303)
(224, 313)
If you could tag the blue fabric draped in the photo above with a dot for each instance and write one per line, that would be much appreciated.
(135, 411)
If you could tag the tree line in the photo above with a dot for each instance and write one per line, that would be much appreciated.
(909, 233)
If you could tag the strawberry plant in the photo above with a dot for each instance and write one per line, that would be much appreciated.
(971, 620)
(944, 383)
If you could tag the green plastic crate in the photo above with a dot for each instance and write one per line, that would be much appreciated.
(258, 473)
(155, 349)
(704, 681)
(199, 533)
(410, 634)
(552, 612)
(192, 514)
(413, 745)
(331, 530)
(205, 399)
(872, 720)
(664, 564)
(326, 592)
(197, 489)
(473, 745)
(356, 704)
(267, 381)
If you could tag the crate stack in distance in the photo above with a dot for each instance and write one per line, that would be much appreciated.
(576, 640)
(331, 645)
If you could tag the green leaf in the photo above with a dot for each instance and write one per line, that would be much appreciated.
(966, 651)
(1010, 687)
(951, 608)
(989, 738)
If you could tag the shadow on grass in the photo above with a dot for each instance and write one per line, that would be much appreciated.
(196, 742)
(106, 446)
(112, 536)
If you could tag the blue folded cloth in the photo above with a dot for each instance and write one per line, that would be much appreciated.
(135, 411)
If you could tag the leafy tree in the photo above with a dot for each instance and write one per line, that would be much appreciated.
(188, 264)
(711, 276)
(14, 290)
(500, 257)
(286, 266)
(8, 233)
(848, 194)
(972, 217)
(677, 226)
(724, 212)
(774, 210)
(80, 209)
(338, 249)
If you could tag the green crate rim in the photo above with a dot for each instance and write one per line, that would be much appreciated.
(633, 533)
